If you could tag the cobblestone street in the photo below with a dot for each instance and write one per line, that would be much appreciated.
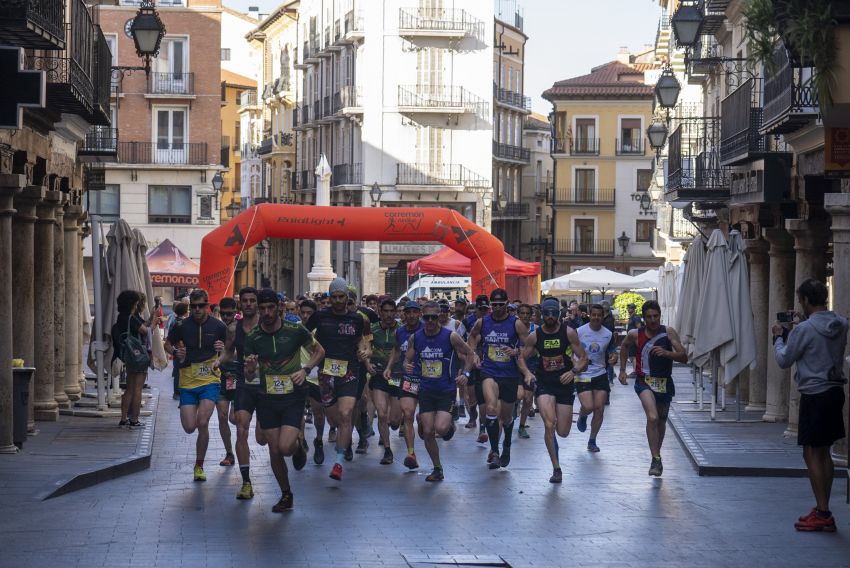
(607, 512)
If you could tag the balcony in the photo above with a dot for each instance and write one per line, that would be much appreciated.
(439, 175)
(248, 100)
(306, 116)
(511, 211)
(317, 110)
(171, 84)
(327, 110)
(311, 50)
(511, 99)
(99, 145)
(171, 153)
(324, 50)
(101, 81)
(585, 247)
(510, 153)
(584, 147)
(694, 171)
(305, 180)
(347, 174)
(33, 24)
(265, 146)
(352, 31)
(438, 22)
(789, 101)
(438, 99)
(704, 57)
(225, 151)
(347, 101)
(740, 124)
(585, 197)
(634, 146)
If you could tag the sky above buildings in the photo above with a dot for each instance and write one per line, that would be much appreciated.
(566, 37)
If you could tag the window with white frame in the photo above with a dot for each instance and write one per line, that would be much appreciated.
(170, 204)
(106, 203)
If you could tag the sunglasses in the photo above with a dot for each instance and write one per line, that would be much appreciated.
(430, 317)
(199, 306)
(551, 312)
(498, 304)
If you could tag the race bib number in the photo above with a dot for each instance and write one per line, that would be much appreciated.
(279, 384)
(229, 382)
(553, 363)
(203, 370)
(432, 369)
(335, 367)
(410, 386)
(255, 381)
(498, 353)
(394, 381)
(657, 384)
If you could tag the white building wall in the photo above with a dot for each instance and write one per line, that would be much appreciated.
(243, 58)
(628, 210)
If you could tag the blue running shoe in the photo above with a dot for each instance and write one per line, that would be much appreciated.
(581, 423)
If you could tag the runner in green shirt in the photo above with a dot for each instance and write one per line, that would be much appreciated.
(273, 351)
(384, 392)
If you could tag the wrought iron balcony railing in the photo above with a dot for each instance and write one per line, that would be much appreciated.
(265, 146)
(352, 26)
(189, 153)
(167, 83)
(438, 98)
(347, 174)
(100, 144)
(101, 81)
(584, 146)
(789, 100)
(444, 22)
(694, 171)
(305, 181)
(740, 121)
(511, 153)
(511, 98)
(439, 174)
(510, 211)
(33, 24)
(585, 197)
(585, 247)
(631, 146)
(247, 99)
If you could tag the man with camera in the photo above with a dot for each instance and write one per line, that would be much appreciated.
(816, 345)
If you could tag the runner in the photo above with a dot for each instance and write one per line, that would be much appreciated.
(272, 355)
(229, 374)
(194, 343)
(306, 310)
(432, 350)
(384, 393)
(500, 336)
(657, 347)
(474, 393)
(561, 357)
(592, 384)
(245, 400)
(408, 383)
(360, 416)
(345, 337)
(527, 400)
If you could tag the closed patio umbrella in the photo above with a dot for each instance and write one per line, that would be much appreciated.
(713, 327)
(738, 357)
(692, 282)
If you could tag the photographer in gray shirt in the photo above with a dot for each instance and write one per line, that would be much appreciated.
(817, 347)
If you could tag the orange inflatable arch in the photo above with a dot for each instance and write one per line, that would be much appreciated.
(220, 247)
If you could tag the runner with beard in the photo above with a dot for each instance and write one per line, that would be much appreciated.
(384, 394)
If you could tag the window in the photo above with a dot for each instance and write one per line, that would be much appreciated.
(584, 235)
(225, 54)
(170, 136)
(585, 185)
(106, 203)
(643, 230)
(644, 178)
(170, 204)
(205, 207)
(585, 135)
(630, 136)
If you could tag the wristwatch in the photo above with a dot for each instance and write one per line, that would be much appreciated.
(307, 369)
(466, 374)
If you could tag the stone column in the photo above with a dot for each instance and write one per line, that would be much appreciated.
(23, 283)
(59, 306)
(45, 403)
(811, 239)
(10, 185)
(73, 318)
(781, 298)
(83, 302)
(756, 250)
(838, 206)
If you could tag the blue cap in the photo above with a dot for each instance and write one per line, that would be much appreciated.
(411, 305)
(551, 304)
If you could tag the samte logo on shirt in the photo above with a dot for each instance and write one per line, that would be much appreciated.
(429, 353)
(497, 337)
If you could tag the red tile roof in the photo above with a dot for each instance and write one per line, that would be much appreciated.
(609, 81)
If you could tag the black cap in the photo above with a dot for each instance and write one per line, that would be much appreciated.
(482, 303)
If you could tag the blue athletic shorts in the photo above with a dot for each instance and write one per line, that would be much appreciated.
(192, 397)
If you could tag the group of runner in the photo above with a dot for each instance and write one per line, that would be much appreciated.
(275, 362)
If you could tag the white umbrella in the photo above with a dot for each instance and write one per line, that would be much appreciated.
(668, 290)
(738, 357)
(141, 256)
(604, 279)
(686, 310)
(562, 284)
(649, 279)
(713, 327)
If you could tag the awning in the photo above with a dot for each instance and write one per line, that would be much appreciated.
(447, 262)
(169, 266)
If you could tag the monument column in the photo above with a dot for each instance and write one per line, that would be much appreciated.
(756, 251)
(45, 402)
(781, 298)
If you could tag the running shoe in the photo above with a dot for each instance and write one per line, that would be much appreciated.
(199, 474)
(505, 458)
(557, 476)
(362, 446)
(318, 452)
(124, 423)
(136, 424)
(286, 502)
(388, 457)
(655, 468)
(336, 472)
(581, 423)
(246, 492)
(461, 410)
(523, 433)
(410, 461)
(807, 515)
(493, 460)
(229, 459)
(349, 455)
(332, 435)
(483, 438)
(592, 447)
(436, 475)
(451, 433)
(471, 424)
(816, 523)
(299, 458)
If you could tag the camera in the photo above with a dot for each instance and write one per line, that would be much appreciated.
(785, 317)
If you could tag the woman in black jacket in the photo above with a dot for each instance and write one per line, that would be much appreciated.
(129, 306)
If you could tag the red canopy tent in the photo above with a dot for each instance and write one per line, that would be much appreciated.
(523, 278)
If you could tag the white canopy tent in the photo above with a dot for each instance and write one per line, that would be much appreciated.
(600, 279)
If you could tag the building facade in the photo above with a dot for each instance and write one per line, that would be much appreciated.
(537, 191)
(158, 174)
(603, 216)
